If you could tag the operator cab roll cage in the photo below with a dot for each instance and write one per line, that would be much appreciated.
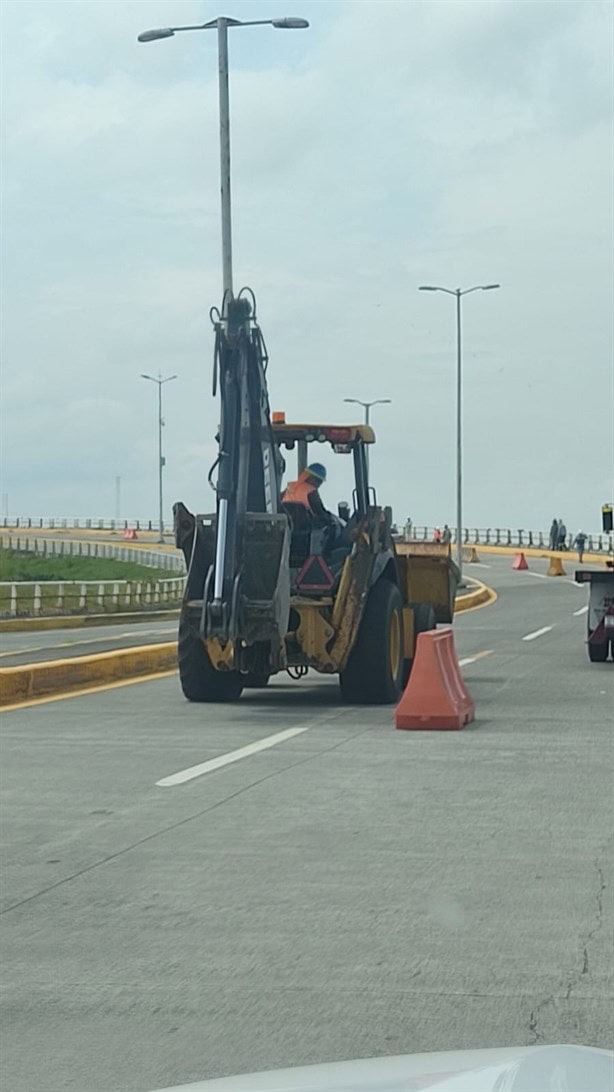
(344, 439)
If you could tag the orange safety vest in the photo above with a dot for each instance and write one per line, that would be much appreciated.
(299, 492)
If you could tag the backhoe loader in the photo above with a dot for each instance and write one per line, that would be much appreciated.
(269, 590)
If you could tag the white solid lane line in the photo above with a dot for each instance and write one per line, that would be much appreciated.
(473, 659)
(540, 576)
(232, 756)
(537, 633)
(583, 610)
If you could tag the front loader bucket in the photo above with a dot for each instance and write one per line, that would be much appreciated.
(263, 608)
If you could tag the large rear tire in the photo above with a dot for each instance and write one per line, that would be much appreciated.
(598, 653)
(424, 620)
(255, 681)
(374, 672)
(199, 679)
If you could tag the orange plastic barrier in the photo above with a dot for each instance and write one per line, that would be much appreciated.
(520, 562)
(555, 568)
(130, 533)
(435, 696)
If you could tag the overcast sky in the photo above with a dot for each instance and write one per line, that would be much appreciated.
(390, 145)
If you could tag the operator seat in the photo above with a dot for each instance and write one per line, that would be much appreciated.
(302, 532)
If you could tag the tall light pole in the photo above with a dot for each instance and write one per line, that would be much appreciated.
(367, 405)
(459, 293)
(367, 408)
(221, 24)
(161, 460)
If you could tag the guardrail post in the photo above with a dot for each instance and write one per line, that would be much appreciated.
(128, 593)
(60, 599)
(29, 523)
(520, 533)
(541, 538)
(600, 543)
(37, 599)
(116, 595)
(487, 535)
(83, 597)
(138, 591)
(530, 538)
(13, 606)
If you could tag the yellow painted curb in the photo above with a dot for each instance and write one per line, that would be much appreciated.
(482, 596)
(542, 551)
(18, 684)
(28, 682)
(77, 621)
(97, 538)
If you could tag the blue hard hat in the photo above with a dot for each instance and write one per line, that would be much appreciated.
(316, 470)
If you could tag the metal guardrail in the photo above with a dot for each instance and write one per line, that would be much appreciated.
(504, 536)
(44, 547)
(49, 597)
(597, 542)
(78, 523)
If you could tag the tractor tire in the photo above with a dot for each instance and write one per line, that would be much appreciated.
(598, 653)
(254, 681)
(374, 672)
(197, 675)
(424, 619)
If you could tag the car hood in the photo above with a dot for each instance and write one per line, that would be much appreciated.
(511, 1069)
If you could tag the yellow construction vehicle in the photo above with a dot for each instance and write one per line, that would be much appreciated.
(340, 598)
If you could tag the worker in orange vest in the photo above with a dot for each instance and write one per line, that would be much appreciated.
(304, 491)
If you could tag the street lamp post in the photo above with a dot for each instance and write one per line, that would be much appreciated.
(367, 408)
(161, 460)
(221, 24)
(459, 292)
(367, 405)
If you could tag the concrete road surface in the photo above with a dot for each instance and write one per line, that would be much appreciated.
(347, 890)
(59, 644)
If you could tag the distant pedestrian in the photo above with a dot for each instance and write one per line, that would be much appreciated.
(580, 543)
(437, 535)
(554, 534)
(562, 538)
(446, 537)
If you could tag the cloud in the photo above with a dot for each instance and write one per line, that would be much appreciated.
(391, 145)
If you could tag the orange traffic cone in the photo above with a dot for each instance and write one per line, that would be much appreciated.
(474, 555)
(129, 533)
(520, 562)
(435, 696)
